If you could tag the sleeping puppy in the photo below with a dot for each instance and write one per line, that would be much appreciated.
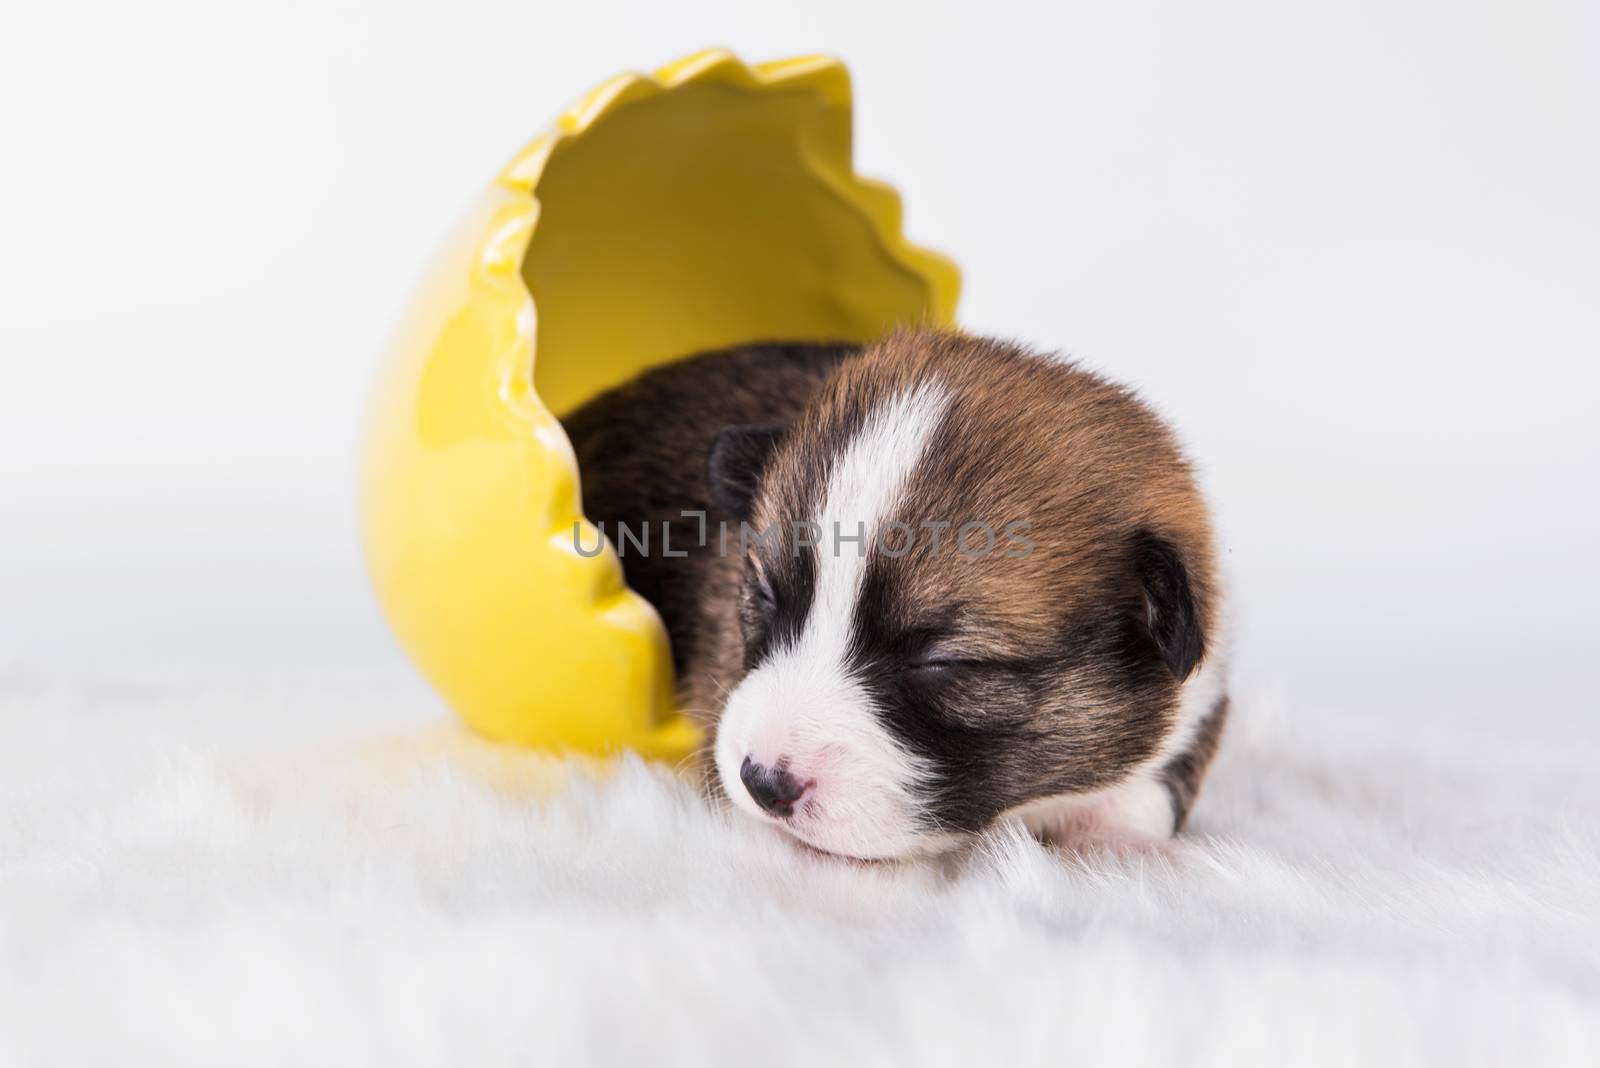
(919, 586)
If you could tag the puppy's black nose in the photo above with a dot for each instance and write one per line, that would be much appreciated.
(774, 789)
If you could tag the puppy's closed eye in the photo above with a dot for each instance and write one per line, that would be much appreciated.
(758, 585)
(940, 664)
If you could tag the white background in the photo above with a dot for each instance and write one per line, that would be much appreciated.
(1352, 249)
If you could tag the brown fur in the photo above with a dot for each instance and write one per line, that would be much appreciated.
(1185, 772)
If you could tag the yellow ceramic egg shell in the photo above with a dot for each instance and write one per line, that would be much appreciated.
(709, 204)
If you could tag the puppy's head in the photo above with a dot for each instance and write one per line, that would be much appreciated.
(974, 578)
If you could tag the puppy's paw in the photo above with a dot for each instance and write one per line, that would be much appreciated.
(1138, 812)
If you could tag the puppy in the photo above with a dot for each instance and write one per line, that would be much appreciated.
(919, 586)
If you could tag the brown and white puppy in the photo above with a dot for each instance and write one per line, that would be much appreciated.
(973, 581)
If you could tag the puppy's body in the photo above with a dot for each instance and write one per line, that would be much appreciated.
(893, 688)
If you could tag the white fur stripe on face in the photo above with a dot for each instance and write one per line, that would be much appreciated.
(864, 487)
(803, 704)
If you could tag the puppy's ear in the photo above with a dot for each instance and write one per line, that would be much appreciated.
(1171, 615)
(734, 464)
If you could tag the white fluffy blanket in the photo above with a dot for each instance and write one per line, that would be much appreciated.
(210, 879)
